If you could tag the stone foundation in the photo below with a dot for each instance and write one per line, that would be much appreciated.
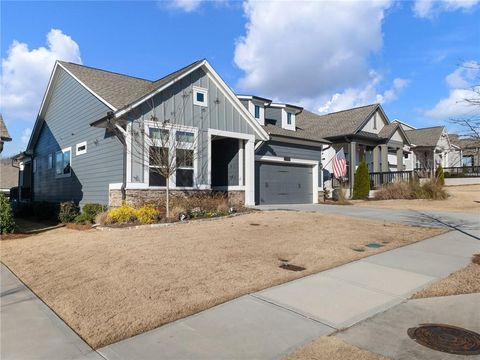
(320, 197)
(138, 197)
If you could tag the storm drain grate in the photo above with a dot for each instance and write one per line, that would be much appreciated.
(374, 245)
(292, 267)
(446, 338)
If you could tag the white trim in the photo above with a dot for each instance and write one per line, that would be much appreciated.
(204, 91)
(62, 175)
(250, 173)
(229, 188)
(115, 186)
(152, 94)
(313, 163)
(236, 102)
(79, 145)
(86, 87)
(128, 141)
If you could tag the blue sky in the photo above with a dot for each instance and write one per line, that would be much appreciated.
(324, 55)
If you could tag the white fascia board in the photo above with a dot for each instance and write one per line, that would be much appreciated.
(86, 87)
(236, 102)
(122, 112)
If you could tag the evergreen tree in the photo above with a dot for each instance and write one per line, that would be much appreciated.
(361, 185)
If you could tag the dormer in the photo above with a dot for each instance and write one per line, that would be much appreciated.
(256, 106)
(284, 115)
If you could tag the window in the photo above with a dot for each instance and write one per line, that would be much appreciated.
(184, 137)
(81, 148)
(257, 111)
(35, 165)
(200, 96)
(160, 135)
(62, 162)
(158, 158)
(375, 122)
(50, 161)
(289, 118)
(184, 165)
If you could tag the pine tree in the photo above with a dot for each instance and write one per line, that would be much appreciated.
(361, 185)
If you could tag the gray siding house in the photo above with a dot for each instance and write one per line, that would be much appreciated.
(96, 130)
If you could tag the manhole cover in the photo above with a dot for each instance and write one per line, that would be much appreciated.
(374, 245)
(446, 338)
(292, 267)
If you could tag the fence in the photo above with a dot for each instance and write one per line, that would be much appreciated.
(462, 171)
(377, 179)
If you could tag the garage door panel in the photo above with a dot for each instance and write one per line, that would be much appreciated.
(283, 183)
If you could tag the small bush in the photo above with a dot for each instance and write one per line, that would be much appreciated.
(7, 223)
(102, 218)
(68, 212)
(124, 214)
(177, 211)
(440, 177)
(90, 211)
(430, 190)
(83, 219)
(147, 215)
(361, 185)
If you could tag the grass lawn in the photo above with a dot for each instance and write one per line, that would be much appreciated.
(464, 281)
(110, 285)
(332, 348)
(464, 198)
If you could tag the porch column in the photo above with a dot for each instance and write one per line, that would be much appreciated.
(384, 150)
(250, 173)
(376, 159)
(352, 159)
(399, 159)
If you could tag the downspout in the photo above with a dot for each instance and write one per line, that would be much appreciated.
(121, 135)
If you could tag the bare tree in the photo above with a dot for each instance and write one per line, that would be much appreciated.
(168, 147)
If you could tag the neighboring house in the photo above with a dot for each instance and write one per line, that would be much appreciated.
(470, 150)
(4, 135)
(364, 133)
(8, 176)
(82, 147)
(432, 147)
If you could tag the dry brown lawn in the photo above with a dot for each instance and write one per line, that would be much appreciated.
(464, 198)
(464, 281)
(332, 348)
(110, 285)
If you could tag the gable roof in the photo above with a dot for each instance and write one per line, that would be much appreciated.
(345, 122)
(118, 90)
(4, 135)
(390, 129)
(427, 137)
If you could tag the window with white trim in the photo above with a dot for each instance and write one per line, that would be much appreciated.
(200, 96)
(81, 148)
(50, 161)
(158, 159)
(257, 111)
(289, 118)
(63, 160)
(184, 157)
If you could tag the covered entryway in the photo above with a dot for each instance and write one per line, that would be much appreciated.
(283, 183)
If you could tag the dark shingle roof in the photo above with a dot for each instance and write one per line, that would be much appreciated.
(388, 130)
(9, 173)
(425, 137)
(298, 134)
(117, 89)
(339, 123)
(4, 135)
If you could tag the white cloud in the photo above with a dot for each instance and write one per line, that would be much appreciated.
(368, 94)
(305, 53)
(461, 86)
(185, 5)
(25, 136)
(431, 8)
(25, 73)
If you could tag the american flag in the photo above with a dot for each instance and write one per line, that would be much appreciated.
(339, 164)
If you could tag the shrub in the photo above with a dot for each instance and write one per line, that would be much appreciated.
(7, 223)
(90, 211)
(440, 177)
(124, 214)
(68, 212)
(431, 190)
(361, 185)
(396, 190)
(102, 218)
(83, 219)
(147, 215)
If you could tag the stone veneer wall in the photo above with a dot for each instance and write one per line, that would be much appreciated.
(141, 196)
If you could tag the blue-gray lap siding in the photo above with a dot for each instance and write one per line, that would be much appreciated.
(175, 104)
(69, 112)
(304, 152)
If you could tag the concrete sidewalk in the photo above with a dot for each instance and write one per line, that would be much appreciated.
(271, 323)
(30, 330)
